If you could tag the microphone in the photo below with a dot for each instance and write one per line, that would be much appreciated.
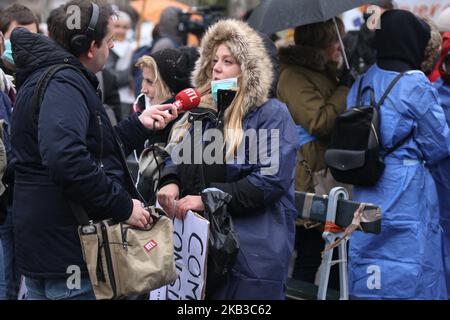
(187, 99)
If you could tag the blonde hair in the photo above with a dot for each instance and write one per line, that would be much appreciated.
(162, 89)
(233, 117)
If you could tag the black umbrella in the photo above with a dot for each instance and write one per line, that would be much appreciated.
(275, 15)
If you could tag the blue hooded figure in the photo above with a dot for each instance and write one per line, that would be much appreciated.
(441, 172)
(405, 260)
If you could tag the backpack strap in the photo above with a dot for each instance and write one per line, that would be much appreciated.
(362, 91)
(388, 90)
(41, 86)
(372, 95)
(380, 103)
(359, 95)
(398, 144)
(38, 95)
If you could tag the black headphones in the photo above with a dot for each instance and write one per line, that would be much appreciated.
(80, 43)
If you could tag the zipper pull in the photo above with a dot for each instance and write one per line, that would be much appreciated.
(100, 123)
(123, 231)
(99, 119)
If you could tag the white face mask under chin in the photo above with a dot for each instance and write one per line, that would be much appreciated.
(224, 84)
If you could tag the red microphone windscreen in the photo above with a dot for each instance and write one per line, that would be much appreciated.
(187, 99)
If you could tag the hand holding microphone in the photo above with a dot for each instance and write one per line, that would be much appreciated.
(187, 99)
(158, 116)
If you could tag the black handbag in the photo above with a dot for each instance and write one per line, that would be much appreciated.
(223, 243)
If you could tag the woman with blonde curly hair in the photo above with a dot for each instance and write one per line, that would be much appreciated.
(235, 72)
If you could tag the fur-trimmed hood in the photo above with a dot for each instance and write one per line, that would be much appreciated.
(433, 49)
(303, 56)
(248, 49)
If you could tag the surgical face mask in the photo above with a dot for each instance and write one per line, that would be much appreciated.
(8, 54)
(225, 84)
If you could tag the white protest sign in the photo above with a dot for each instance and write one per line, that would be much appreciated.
(190, 239)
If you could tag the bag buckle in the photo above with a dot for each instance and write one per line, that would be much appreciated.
(89, 229)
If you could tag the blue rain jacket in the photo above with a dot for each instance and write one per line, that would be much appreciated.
(441, 175)
(405, 260)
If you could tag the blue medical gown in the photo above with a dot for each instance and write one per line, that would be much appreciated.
(441, 175)
(405, 260)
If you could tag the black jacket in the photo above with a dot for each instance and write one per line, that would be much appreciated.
(73, 156)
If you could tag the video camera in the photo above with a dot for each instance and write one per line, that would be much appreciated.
(209, 14)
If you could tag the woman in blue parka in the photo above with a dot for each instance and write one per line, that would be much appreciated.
(262, 205)
(441, 172)
(405, 260)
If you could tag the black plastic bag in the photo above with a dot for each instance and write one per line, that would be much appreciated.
(223, 240)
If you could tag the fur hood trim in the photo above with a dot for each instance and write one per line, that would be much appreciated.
(248, 49)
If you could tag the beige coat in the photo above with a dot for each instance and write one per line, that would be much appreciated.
(309, 87)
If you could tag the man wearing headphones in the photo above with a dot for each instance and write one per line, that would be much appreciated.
(66, 152)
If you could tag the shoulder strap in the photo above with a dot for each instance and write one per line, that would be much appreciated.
(388, 90)
(398, 144)
(41, 86)
(372, 95)
(380, 103)
(38, 95)
(359, 94)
